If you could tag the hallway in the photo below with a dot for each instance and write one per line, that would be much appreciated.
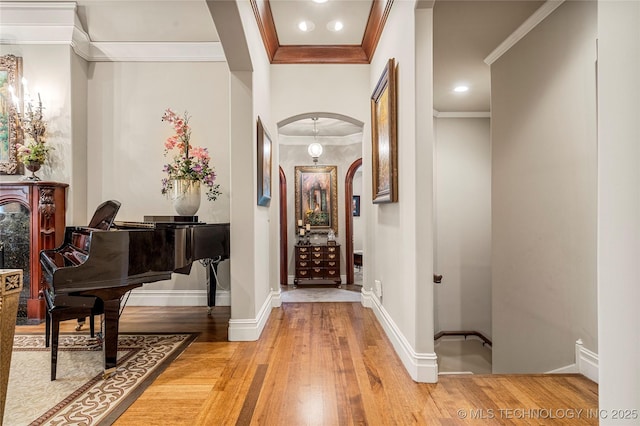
(329, 364)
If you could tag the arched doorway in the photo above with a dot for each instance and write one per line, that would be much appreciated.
(284, 242)
(348, 217)
(341, 137)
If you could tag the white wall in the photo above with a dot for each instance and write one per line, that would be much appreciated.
(463, 224)
(544, 163)
(341, 89)
(254, 248)
(48, 69)
(126, 137)
(126, 134)
(79, 131)
(399, 242)
(618, 209)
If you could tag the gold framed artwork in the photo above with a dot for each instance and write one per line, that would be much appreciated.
(264, 165)
(384, 136)
(10, 93)
(316, 196)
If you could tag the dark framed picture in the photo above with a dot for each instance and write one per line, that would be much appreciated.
(264, 165)
(316, 196)
(10, 93)
(356, 205)
(384, 136)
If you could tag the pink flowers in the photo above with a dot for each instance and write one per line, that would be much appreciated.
(188, 162)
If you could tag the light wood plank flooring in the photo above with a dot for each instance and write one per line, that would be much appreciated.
(328, 364)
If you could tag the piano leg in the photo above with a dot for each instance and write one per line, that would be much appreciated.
(212, 284)
(47, 328)
(55, 335)
(110, 343)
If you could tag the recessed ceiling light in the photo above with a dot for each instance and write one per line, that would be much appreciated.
(461, 89)
(319, 1)
(306, 26)
(335, 25)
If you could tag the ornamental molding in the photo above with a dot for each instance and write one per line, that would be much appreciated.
(461, 114)
(538, 16)
(57, 23)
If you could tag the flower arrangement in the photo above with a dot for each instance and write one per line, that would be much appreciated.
(32, 124)
(188, 162)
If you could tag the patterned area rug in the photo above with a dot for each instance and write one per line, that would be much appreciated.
(80, 395)
(320, 295)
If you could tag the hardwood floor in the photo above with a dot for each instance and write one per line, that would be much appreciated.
(329, 364)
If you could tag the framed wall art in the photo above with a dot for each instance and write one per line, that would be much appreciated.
(356, 205)
(316, 196)
(384, 136)
(264, 165)
(10, 90)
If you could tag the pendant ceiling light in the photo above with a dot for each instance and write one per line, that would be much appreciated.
(315, 149)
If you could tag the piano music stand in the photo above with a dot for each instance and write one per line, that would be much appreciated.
(105, 215)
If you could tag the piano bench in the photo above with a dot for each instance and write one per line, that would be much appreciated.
(52, 326)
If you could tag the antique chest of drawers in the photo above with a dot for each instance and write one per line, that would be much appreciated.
(317, 264)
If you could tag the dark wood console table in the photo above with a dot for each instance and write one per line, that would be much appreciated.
(317, 264)
(46, 205)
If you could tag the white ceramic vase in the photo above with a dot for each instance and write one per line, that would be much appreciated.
(186, 196)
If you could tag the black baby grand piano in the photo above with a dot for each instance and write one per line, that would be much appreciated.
(106, 264)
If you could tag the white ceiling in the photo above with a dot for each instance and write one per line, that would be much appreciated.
(465, 32)
(326, 127)
(352, 13)
(147, 20)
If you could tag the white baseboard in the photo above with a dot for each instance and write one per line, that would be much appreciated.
(586, 363)
(150, 297)
(276, 298)
(249, 329)
(422, 367)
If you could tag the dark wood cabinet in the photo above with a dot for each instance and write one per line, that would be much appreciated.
(317, 264)
(44, 204)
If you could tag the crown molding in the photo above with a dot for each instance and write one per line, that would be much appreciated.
(57, 23)
(156, 52)
(37, 22)
(538, 16)
(467, 114)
